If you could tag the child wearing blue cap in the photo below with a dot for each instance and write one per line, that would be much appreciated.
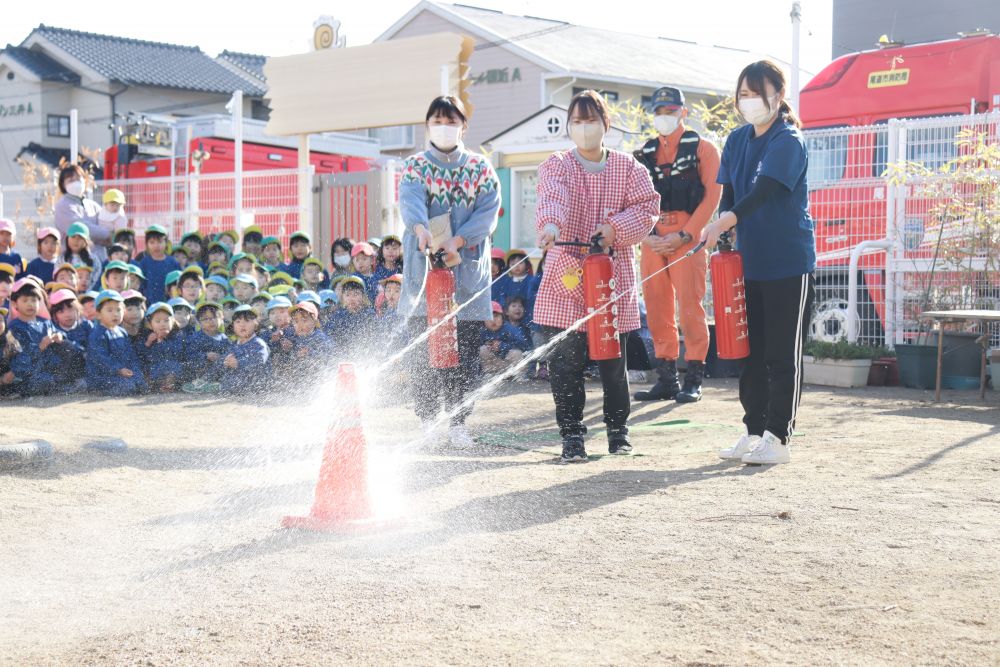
(156, 263)
(162, 351)
(245, 369)
(113, 369)
(183, 312)
(352, 325)
(244, 287)
(48, 363)
(216, 289)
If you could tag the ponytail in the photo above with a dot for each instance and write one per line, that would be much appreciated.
(786, 111)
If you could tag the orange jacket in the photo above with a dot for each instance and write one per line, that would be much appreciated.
(708, 169)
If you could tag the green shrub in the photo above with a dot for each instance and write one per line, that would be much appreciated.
(845, 350)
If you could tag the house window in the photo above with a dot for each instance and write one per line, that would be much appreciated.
(392, 138)
(609, 95)
(58, 126)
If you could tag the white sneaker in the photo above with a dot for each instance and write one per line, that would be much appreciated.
(768, 451)
(460, 437)
(742, 447)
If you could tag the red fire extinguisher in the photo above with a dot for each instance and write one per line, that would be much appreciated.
(732, 338)
(442, 343)
(598, 293)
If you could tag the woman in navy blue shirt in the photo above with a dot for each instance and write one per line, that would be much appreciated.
(766, 199)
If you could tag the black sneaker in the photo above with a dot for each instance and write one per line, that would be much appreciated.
(573, 450)
(618, 443)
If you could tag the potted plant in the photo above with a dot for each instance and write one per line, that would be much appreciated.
(956, 254)
(839, 364)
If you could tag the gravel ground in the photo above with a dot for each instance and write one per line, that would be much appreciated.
(877, 545)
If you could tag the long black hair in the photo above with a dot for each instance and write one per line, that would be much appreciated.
(84, 254)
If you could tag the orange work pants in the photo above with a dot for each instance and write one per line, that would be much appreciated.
(683, 283)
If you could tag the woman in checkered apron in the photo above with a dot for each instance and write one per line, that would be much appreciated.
(582, 192)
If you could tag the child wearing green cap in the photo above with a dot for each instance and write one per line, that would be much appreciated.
(270, 249)
(78, 252)
(113, 368)
(156, 264)
(300, 247)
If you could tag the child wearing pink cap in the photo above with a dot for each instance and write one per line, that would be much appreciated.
(67, 315)
(44, 265)
(363, 263)
(48, 363)
(311, 348)
(8, 239)
(502, 345)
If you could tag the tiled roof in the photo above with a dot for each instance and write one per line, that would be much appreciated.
(144, 63)
(40, 64)
(605, 54)
(247, 63)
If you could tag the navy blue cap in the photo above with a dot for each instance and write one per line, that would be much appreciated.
(667, 97)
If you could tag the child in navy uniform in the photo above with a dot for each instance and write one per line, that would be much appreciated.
(311, 348)
(300, 247)
(156, 264)
(44, 265)
(389, 260)
(135, 313)
(113, 369)
(363, 262)
(67, 315)
(245, 369)
(517, 281)
(503, 344)
(351, 326)
(206, 346)
(162, 351)
(48, 363)
(9, 348)
(8, 239)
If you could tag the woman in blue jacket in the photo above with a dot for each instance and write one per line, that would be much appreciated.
(765, 198)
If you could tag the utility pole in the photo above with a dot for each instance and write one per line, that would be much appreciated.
(796, 22)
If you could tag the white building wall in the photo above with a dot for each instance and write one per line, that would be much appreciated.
(497, 105)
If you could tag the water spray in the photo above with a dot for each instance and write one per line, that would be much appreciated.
(539, 353)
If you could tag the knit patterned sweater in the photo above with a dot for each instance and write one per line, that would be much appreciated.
(464, 183)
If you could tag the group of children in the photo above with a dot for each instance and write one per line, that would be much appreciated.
(196, 316)
(200, 316)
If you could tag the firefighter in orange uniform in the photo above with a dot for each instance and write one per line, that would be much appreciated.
(684, 167)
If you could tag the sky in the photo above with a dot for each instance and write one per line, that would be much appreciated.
(275, 29)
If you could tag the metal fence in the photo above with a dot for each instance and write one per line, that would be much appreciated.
(196, 202)
(893, 240)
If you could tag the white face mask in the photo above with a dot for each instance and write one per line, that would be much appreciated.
(666, 124)
(107, 216)
(75, 188)
(755, 112)
(587, 136)
(342, 260)
(444, 137)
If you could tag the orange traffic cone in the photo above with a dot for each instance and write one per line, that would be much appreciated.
(342, 500)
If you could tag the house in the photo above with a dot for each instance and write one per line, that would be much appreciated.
(105, 78)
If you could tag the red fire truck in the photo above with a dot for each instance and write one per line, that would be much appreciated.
(867, 89)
